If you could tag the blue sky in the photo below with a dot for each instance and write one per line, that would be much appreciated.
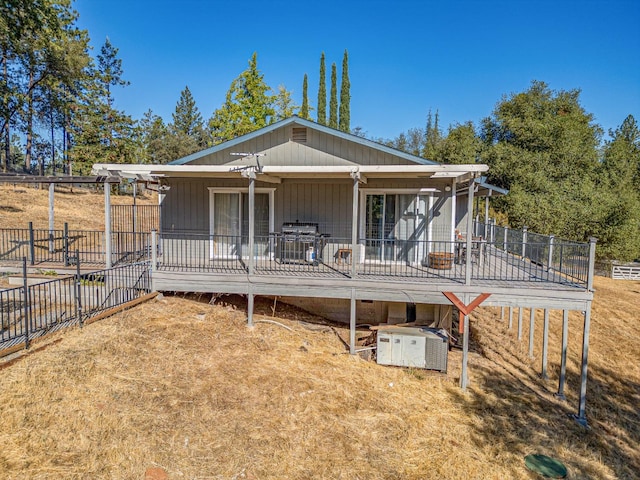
(405, 57)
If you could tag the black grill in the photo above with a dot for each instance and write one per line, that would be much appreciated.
(300, 243)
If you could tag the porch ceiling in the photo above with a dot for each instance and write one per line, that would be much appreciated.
(461, 173)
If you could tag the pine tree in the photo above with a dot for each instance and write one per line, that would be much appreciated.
(345, 96)
(304, 110)
(322, 94)
(248, 106)
(333, 101)
(283, 104)
(187, 122)
(433, 137)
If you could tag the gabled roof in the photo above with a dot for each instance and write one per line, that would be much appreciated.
(308, 124)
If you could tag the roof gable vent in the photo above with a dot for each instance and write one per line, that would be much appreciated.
(299, 134)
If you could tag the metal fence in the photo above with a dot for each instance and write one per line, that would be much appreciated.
(68, 247)
(30, 311)
(135, 218)
(507, 255)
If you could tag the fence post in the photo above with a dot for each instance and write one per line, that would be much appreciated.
(504, 240)
(66, 244)
(550, 257)
(524, 242)
(492, 230)
(32, 248)
(27, 306)
(154, 250)
(592, 262)
(78, 290)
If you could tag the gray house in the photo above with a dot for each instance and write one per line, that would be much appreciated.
(348, 228)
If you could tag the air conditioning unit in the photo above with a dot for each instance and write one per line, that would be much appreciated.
(413, 347)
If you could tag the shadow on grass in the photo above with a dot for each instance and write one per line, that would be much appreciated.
(514, 410)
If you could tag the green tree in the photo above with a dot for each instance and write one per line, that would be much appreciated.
(322, 94)
(433, 137)
(542, 145)
(248, 106)
(187, 127)
(345, 96)
(460, 146)
(283, 104)
(304, 110)
(333, 100)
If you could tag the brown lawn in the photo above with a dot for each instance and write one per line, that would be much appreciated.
(186, 386)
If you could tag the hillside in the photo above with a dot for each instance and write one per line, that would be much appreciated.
(183, 385)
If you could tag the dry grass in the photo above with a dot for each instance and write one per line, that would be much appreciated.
(80, 208)
(186, 386)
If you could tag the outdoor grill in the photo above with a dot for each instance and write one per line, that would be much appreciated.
(300, 242)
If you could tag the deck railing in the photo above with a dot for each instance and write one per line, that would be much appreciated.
(506, 255)
(67, 247)
(31, 311)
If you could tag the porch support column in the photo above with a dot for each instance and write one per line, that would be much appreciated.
(252, 213)
(581, 418)
(563, 355)
(354, 223)
(545, 344)
(250, 306)
(107, 225)
(51, 216)
(520, 312)
(486, 215)
(532, 326)
(465, 353)
(467, 273)
(352, 322)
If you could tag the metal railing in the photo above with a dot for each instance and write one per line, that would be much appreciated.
(30, 311)
(507, 255)
(67, 247)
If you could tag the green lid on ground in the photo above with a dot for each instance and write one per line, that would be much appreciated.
(545, 466)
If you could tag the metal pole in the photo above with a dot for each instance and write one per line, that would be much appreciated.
(32, 248)
(486, 216)
(27, 307)
(524, 242)
(532, 326)
(467, 273)
(510, 318)
(502, 314)
(520, 312)
(352, 323)
(505, 243)
(582, 418)
(550, 257)
(563, 355)
(154, 250)
(51, 217)
(354, 225)
(252, 215)
(465, 354)
(133, 219)
(545, 344)
(592, 262)
(78, 290)
(66, 244)
(107, 225)
(250, 298)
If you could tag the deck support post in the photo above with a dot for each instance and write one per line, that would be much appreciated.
(107, 225)
(532, 327)
(252, 229)
(465, 353)
(520, 312)
(581, 418)
(51, 216)
(563, 355)
(545, 344)
(502, 314)
(354, 224)
(250, 298)
(467, 273)
(352, 323)
(510, 318)
(154, 250)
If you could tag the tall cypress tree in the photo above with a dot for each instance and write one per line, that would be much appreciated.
(322, 94)
(304, 110)
(345, 96)
(333, 102)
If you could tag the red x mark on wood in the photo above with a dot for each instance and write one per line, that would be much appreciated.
(465, 309)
